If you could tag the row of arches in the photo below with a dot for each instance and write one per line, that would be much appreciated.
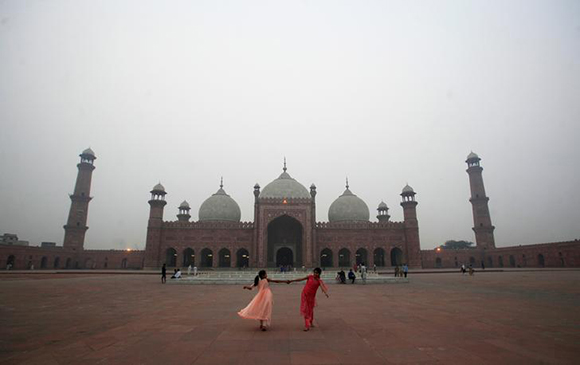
(45, 263)
(361, 256)
(540, 261)
(206, 259)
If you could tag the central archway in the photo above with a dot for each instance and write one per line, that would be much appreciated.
(284, 257)
(284, 232)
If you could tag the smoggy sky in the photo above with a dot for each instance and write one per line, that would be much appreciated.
(384, 92)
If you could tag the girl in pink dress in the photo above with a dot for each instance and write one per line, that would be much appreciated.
(260, 307)
(308, 299)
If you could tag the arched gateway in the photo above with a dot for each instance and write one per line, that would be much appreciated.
(284, 242)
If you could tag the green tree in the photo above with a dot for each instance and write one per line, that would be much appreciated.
(457, 245)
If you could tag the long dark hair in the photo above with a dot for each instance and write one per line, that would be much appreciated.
(259, 277)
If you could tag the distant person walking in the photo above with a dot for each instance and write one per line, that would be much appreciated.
(462, 269)
(405, 269)
(363, 273)
(189, 270)
(163, 274)
(397, 270)
(471, 270)
(195, 271)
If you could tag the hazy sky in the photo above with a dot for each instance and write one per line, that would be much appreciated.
(384, 92)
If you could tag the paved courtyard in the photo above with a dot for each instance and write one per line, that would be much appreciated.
(510, 317)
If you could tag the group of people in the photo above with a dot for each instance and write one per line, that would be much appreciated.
(176, 273)
(362, 270)
(260, 308)
(401, 271)
(470, 269)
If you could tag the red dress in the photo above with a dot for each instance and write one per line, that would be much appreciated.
(308, 299)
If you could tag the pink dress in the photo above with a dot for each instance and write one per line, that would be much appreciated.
(260, 308)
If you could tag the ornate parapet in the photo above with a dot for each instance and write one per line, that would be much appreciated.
(360, 225)
(208, 225)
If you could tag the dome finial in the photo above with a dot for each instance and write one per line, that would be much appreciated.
(347, 182)
(222, 182)
(284, 164)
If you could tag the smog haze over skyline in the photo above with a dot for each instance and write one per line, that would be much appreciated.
(384, 92)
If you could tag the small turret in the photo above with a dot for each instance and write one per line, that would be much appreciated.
(383, 212)
(184, 215)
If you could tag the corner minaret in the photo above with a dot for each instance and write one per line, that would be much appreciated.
(481, 219)
(76, 226)
(413, 247)
(154, 227)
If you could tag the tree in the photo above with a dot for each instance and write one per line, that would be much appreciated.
(457, 245)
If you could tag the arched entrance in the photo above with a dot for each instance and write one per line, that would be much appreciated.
(379, 257)
(326, 258)
(541, 262)
(68, 263)
(512, 261)
(224, 258)
(361, 256)
(344, 258)
(44, 262)
(489, 261)
(10, 261)
(284, 257)
(284, 232)
(171, 257)
(57, 263)
(243, 258)
(396, 257)
(124, 264)
(500, 261)
(188, 257)
(438, 263)
(206, 258)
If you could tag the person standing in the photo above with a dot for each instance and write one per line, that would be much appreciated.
(163, 274)
(195, 271)
(462, 269)
(189, 270)
(405, 269)
(363, 273)
(308, 297)
(397, 271)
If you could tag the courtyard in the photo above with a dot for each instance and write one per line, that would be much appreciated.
(517, 317)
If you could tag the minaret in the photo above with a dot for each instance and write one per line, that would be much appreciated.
(153, 256)
(76, 226)
(254, 252)
(413, 254)
(383, 211)
(481, 219)
(184, 215)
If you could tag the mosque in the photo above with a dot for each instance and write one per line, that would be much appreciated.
(284, 232)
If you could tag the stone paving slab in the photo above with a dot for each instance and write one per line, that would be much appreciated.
(497, 318)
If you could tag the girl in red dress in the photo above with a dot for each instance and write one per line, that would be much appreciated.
(308, 299)
(260, 308)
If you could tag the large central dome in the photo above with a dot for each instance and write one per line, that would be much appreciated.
(285, 187)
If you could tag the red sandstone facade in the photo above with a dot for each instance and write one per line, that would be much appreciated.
(284, 229)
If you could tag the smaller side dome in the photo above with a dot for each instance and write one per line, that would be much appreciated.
(408, 190)
(158, 188)
(382, 205)
(220, 207)
(348, 208)
(89, 152)
(472, 158)
(184, 204)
